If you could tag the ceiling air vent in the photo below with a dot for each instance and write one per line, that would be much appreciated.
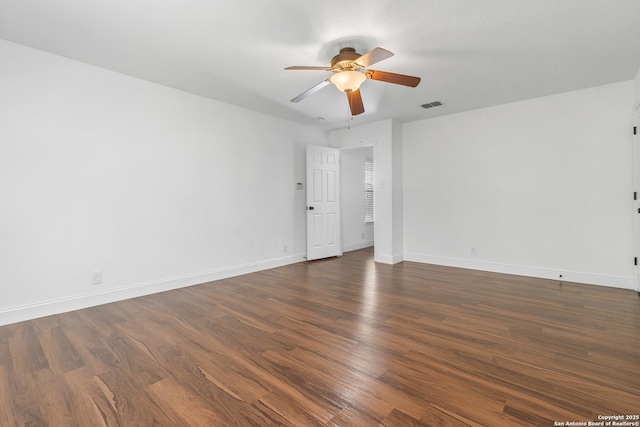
(432, 104)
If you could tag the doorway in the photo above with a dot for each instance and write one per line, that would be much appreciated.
(357, 229)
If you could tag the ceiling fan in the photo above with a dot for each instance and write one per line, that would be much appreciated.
(350, 70)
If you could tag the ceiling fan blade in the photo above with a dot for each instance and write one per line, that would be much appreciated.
(399, 79)
(302, 67)
(355, 102)
(310, 91)
(375, 55)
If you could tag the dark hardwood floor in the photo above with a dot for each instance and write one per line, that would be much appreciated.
(341, 342)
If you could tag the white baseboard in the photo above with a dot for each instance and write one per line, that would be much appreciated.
(77, 302)
(389, 259)
(542, 273)
(356, 246)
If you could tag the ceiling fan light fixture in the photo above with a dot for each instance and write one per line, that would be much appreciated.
(348, 81)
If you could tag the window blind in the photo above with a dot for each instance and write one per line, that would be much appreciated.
(368, 189)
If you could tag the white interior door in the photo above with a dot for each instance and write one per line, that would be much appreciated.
(323, 203)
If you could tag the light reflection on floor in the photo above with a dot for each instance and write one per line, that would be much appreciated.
(369, 298)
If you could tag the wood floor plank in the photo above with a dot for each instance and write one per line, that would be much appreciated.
(91, 406)
(25, 349)
(23, 392)
(373, 403)
(8, 408)
(59, 351)
(342, 342)
(436, 416)
(471, 400)
(353, 417)
(184, 406)
(93, 350)
(297, 409)
(232, 392)
(132, 404)
(5, 353)
(399, 419)
(55, 396)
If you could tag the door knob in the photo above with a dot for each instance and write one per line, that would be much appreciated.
(310, 208)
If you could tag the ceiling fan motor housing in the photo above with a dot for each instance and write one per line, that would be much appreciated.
(344, 60)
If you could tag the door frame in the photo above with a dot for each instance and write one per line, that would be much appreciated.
(636, 189)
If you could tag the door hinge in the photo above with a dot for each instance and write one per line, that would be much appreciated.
(635, 195)
(635, 261)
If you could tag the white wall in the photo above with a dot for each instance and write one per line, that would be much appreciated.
(637, 87)
(540, 187)
(154, 187)
(356, 233)
(397, 205)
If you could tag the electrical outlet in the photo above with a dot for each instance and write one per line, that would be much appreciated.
(284, 248)
(474, 251)
(96, 277)
(363, 235)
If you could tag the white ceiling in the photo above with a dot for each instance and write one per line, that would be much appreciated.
(469, 53)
